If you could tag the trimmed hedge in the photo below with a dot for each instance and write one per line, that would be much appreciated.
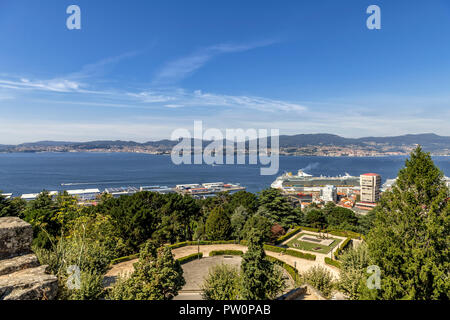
(190, 258)
(302, 255)
(310, 229)
(347, 234)
(289, 269)
(288, 235)
(340, 233)
(274, 248)
(332, 262)
(202, 243)
(342, 247)
(123, 259)
(290, 252)
(226, 252)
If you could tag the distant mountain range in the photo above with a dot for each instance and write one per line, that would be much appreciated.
(430, 142)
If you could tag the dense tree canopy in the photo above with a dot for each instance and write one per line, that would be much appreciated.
(217, 225)
(277, 208)
(410, 239)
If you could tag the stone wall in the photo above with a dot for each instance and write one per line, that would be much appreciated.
(21, 276)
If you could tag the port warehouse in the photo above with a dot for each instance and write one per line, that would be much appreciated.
(196, 190)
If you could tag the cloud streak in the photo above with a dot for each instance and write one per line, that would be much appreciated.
(180, 98)
(181, 68)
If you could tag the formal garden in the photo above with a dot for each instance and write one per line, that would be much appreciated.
(320, 243)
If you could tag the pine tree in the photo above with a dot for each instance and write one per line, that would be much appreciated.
(260, 279)
(410, 238)
(277, 208)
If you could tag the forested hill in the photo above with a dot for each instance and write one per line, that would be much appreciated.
(430, 142)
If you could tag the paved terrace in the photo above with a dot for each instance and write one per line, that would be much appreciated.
(302, 265)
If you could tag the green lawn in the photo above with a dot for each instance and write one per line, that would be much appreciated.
(309, 246)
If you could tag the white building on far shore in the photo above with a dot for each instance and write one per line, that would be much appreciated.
(329, 193)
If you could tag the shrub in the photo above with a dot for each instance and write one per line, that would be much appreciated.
(332, 262)
(321, 279)
(190, 258)
(226, 252)
(222, 283)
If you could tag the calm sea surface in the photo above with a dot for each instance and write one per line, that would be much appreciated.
(29, 173)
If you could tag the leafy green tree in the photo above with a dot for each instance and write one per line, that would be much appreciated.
(178, 215)
(315, 218)
(341, 218)
(410, 239)
(244, 199)
(238, 219)
(135, 217)
(260, 280)
(200, 233)
(217, 225)
(157, 276)
(257, 224)
(366, 221)
(222, 283)
(277, 208)
(353, 273)
(328, 208)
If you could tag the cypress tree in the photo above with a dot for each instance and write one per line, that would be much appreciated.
(260, 279)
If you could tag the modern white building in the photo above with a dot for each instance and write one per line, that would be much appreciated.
(329, 193)
(370, 187)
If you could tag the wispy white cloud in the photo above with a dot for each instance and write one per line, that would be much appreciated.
(181, 68)
(180, 98)
(72, 82)
(56, 85)
(101, 67)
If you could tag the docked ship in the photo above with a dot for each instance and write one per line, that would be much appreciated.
(306, 182)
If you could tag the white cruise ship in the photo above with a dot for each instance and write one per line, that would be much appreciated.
(303, 181)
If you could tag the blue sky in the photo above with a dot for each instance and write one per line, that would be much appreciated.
(137, 70)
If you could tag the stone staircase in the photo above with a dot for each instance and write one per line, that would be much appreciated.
(21, 276)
